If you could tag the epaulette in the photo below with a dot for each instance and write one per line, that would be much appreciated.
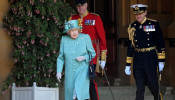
(70, 18)
(95, 14)
(132, 23)
(152, 20)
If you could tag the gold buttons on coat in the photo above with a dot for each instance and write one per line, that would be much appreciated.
(148, 39)
(148, 33)
(148, 44)
(135, 40)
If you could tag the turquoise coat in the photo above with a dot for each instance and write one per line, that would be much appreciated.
(76, 73)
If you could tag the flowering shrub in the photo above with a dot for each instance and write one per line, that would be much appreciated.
(34, 26)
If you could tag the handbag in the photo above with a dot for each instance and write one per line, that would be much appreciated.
(91, 68)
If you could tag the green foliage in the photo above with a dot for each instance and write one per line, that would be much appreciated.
(34, 26)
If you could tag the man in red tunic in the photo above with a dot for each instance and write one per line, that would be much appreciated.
(92, 25)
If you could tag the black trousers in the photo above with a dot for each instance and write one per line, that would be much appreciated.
(93, 90)
(145, 69)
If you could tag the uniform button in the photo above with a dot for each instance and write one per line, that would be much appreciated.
(148, 33)
(73, 64)
(148, 44)
(73, 52)
(73, 58)
(74, 70)
(136, 45)
(148, 39)
(77, 42)
(135, 34)
(135, 40)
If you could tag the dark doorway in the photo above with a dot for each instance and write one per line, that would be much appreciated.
(107, 11)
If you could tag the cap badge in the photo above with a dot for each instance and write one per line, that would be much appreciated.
(136, 8)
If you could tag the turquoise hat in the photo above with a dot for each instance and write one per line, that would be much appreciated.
(72, 24)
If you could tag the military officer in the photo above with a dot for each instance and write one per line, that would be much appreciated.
(147, 47)
(92, 25)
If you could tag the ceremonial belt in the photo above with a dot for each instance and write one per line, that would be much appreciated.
(145, 49)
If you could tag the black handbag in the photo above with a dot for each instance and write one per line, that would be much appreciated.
(91, 68)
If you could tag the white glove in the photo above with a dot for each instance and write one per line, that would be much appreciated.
(102, 64)
(59, 76)
(161, 66)
(80, 58)
(127, 70)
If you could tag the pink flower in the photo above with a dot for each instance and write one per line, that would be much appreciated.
(48, 75)
(55, 1)
(25, 42)
(22, 53)
(41, 58)
(18, 34)
(54, 52)
(32, 41)
(37, 11)
(31, 2)
(41, 42)
(48, 55)
(19, 46)
(42, 16)
(16, 60)
(28, 35)
(45, 44)
(10, 86)
(50, 70)
(27, 83)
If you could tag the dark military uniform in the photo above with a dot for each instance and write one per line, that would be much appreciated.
(146, 48)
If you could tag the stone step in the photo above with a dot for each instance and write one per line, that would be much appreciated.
(126, 93)
(125, 90)
(129, 92)
(101, 97)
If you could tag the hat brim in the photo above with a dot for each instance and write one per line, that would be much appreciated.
(138, 12)
(65, 31)
(80, 3)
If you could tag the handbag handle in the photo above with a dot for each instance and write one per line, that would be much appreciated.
(90, 59)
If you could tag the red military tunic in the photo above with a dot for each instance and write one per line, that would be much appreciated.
(93, 25)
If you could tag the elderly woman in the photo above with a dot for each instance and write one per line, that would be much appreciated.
(74, 53)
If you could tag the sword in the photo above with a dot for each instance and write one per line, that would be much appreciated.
(108, 84)
(159, 83)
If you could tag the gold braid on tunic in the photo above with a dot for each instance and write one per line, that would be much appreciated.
(131, 31)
